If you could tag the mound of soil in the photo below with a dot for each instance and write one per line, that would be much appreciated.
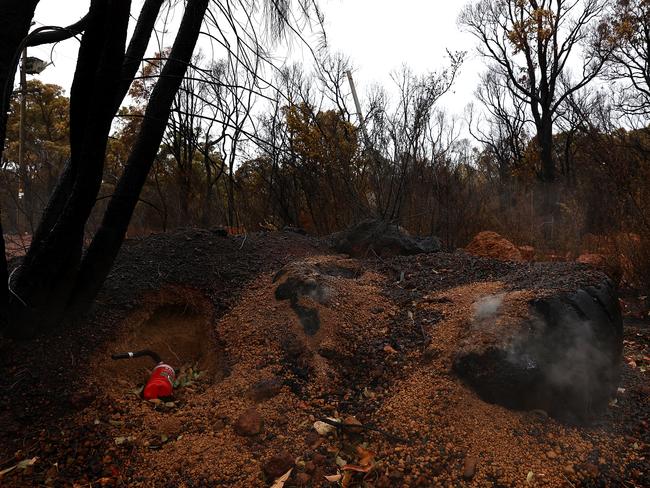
(362, 391)
(558, 353)
(489, 244)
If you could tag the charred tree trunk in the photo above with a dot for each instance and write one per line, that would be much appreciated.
(99, 258)
(15, 17)
(546, 152)
(134, 54)
(59, 236)
(137, 46)
(47, 276)
(4, 281)
(547, 161)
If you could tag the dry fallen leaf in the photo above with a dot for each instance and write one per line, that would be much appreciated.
(322, 428)
(366, 457)
(279, 483)
(334, 478)
(21, 465)
(355, 468)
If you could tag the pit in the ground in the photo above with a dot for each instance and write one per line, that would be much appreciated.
(177, 325)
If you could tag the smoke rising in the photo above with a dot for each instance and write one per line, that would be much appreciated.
(575, 364)
(488, 307)
(561, 358)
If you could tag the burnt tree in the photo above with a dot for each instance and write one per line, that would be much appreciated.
(58, 280)
(531, 43)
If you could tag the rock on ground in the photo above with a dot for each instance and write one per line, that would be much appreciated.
(383, 238)
(249, 423)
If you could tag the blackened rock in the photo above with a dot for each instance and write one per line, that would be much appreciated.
(564, 360)
(383, 238)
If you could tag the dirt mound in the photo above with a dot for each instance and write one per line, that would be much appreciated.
(269, 348)
(308, 282)
(383, 239)
(489, 244)
(377, 364)
(558, 353)
(597, 260)
(527, 252)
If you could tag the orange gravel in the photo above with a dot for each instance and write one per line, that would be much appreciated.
(421, 426)
(447, 434)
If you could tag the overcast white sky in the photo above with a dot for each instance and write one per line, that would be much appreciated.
(377, 35)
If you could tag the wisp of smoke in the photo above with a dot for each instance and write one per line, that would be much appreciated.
(488, 307)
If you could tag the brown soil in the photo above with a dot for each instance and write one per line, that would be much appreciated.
(176, 322)
(381, 356)
(492, 245)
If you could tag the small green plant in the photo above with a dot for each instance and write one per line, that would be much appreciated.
(187, 375)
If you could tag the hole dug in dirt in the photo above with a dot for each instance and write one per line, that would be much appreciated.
(176, 324)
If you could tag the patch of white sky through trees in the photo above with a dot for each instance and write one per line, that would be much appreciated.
(378, 36)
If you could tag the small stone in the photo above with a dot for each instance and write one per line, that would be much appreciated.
(313, 440)
(377, 310)
(353, 422)
(266, 389)
(249, 423)
(568, 469)
(469, 468)
(551, 455)
(277, 465)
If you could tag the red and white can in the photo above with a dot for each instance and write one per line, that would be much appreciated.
(161, 382)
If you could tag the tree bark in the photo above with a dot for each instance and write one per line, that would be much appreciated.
(137, 46)
(101, 254)
(4, 282)
(545, 139)
(134, 54)
(47, 275)
(15, 18)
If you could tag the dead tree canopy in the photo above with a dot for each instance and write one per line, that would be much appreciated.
(532, 44)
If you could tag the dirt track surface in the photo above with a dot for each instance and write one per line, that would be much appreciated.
(381, 357)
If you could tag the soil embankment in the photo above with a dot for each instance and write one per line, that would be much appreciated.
(295, 358)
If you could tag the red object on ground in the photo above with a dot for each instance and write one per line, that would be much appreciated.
(161, 382)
